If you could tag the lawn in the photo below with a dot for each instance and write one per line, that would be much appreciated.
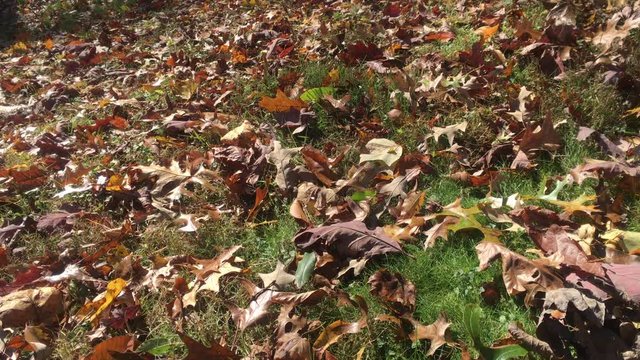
(142, 141)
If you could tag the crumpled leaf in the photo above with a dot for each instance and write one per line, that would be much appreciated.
(398, 293)
(518, 273)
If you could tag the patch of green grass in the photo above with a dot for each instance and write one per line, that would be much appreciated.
(263, 243)
(464, 38)
(314, 74)
(446, 279)
(72, 343)
(535, 12)
(12, 158)
(598, 105)
(163, 238)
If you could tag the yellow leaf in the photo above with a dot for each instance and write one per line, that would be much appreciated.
(48, 44)
(487, 32)
(19, 47)
(114, 288)
(634, 111)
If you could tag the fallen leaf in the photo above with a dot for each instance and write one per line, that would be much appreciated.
(281, 103)
(398, 293)
(383, 150)
(278, 277)
(197, 351)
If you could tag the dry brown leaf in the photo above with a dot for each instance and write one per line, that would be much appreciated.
(281, 103)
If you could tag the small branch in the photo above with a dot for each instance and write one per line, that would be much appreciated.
(530, 342)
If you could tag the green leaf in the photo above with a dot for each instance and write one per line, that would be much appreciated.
(363, 195)
(553, 195)
(503, 353)
(316, 94)
(471, 319)
(157, 346)
(305, 268)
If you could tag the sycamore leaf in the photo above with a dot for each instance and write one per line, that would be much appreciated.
(398, 293)
(626, 278)
(383, 150)
(519, 273)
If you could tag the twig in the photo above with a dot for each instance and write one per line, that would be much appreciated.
(530, 342)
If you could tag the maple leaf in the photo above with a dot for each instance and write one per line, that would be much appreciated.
(278, 277)
(281, 103)
(197, 351)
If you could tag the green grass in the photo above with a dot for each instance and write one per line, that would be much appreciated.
(445, 276)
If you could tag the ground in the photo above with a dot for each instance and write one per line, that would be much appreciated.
(142, 138)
